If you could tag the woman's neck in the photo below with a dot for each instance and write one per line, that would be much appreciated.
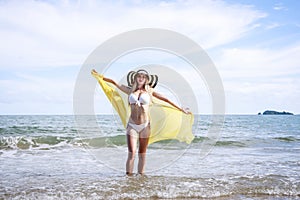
(140, 88)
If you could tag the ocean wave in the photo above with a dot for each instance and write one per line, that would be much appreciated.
(287, 139)
(118, 140)
(22, 142)
(38, 142)
(47, 142)
(222, 142)
(159, 187)
(231, 143)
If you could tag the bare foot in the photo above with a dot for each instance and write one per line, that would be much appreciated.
(129, 174)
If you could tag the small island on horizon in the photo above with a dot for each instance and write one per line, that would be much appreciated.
(272, 112)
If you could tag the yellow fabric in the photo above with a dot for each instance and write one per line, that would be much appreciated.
(167, 122)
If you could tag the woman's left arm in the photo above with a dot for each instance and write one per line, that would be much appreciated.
(161, 97)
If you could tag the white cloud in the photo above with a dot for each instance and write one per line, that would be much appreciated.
(279, 6)
(272, 25)
(258, 79)
(257, 63)
(28, 88)
(39, 34)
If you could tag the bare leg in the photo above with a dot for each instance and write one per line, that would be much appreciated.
(131, 143)
(143, 144)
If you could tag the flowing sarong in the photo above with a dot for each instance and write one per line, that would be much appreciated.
(167, 122)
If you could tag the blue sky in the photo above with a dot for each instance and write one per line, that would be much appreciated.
(254, 44)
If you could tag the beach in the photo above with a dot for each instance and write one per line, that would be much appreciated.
(45, 157)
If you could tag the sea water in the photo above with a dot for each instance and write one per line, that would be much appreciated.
(50, 157)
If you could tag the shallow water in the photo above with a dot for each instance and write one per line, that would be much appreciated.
(44, 157)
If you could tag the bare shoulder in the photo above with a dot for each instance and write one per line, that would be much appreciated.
(151, 90)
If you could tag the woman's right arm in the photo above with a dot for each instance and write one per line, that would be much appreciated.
(123, 88)
(161, 97)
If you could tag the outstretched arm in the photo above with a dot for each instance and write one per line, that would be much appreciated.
(123, 88)
(159, 96)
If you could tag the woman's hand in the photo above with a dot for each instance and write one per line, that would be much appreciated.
(94, 71)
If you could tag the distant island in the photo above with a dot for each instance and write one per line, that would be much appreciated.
(272, 112)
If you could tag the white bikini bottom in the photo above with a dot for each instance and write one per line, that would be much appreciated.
(138, 127)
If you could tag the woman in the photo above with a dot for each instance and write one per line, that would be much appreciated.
(138, 127)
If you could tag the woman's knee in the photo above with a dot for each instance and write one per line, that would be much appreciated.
(142, 155)
(131, 155)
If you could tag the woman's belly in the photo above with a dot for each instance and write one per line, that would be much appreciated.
(139, 114)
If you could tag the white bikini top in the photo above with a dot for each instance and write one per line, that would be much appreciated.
(143, 98)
